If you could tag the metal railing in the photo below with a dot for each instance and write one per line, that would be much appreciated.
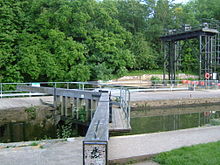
(168, 85)
(120, 95)
(116, 88)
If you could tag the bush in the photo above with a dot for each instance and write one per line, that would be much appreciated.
(155, 80)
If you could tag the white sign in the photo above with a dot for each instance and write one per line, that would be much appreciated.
(214, 76)
(95, 154)
(35, 84)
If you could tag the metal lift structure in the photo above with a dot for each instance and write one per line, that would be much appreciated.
(207, 49)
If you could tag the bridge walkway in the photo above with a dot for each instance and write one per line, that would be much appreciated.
(119, 121)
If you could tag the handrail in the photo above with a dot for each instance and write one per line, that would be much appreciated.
(7, 89)
(60, 91)
(96, 140)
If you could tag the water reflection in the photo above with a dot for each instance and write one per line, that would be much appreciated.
(22, 131)
(156, 120)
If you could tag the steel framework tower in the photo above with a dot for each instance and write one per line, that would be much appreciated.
(209, 49)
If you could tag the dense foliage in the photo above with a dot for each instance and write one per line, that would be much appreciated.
(80, 40)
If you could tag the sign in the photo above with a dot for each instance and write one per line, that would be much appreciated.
(95, 153)
(35, 84)
(214, 76)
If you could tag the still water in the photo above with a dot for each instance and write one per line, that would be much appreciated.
(24, 131)
(142, 121)
(157, 120)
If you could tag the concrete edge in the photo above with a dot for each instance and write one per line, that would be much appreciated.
(136, 105)
(165, 132)
(130, 159)
(45, 141)
(25, 107)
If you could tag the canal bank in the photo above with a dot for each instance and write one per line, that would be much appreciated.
(23, 119)
(143, 100)
(26, 124)
(47, 152)
(35, 117)
(138, 99)
(121, 149)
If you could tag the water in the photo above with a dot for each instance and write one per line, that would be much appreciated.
(24, 124)
(158, 120)
(142, 121)
(24, 131)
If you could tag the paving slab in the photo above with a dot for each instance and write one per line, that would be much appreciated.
(146, 162)
(146, 145)
(59, 153)
(13, 103)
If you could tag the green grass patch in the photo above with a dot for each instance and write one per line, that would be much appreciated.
(202, 154)
(34, 144)
(215, 121)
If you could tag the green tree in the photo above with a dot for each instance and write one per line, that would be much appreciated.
(12, 20)
(145, 56)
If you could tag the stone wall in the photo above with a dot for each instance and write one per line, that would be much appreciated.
(34, 114)
(172, 103)
(27, 123)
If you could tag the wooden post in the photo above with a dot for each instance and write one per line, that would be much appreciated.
(67, 106)
(62, 105)
(73, 107)
(77, 108)
(80, 105)
(93, 108)
(87, 107)
(54, 98)
(58, 102)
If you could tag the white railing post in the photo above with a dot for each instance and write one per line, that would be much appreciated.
(1, 88)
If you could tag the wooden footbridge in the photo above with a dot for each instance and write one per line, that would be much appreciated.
(106, 110)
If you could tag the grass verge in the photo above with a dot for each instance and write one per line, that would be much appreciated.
(202, 154)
